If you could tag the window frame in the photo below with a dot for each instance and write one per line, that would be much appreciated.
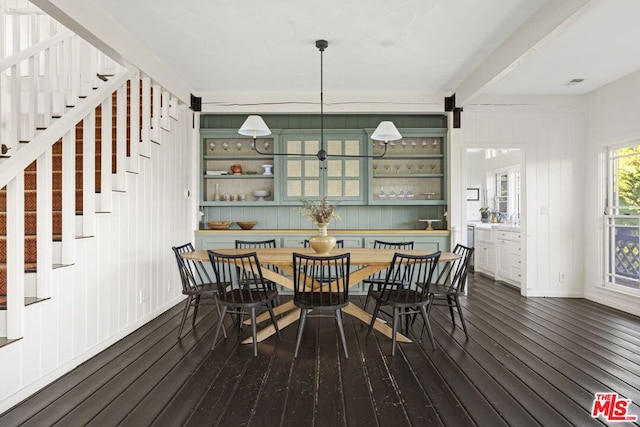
(621, 230)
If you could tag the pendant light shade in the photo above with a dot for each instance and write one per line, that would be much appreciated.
(254, 126)
(385, 132)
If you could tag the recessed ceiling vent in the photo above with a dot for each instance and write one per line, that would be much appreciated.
(574, 82)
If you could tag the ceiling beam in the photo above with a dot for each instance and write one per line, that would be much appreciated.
(543, 26)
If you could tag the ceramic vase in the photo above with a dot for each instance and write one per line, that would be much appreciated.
(322, 243)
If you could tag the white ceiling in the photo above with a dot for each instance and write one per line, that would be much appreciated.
(378, 46)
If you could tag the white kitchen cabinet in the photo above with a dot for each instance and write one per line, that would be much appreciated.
(509, 256)
(485, 253)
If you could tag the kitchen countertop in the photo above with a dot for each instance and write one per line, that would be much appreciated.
(497, 225)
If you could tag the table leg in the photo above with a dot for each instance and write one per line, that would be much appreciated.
(365, 317)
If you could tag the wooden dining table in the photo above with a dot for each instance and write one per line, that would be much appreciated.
(367, 261)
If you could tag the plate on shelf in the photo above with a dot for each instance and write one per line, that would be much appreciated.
(215, 173)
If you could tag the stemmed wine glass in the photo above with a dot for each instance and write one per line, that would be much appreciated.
(266, 145)
(397, 166)
(381, 193)
(432, 165)
(421, 167)
(239, 145)
(225, 145)
(414, 144)
(409, 167)
(212, 145)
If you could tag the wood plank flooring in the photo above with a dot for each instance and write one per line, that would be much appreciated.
(528, 362)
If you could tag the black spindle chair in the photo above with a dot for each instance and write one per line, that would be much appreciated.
(375, 281)
(406, 291)
(241, 290)
(196, 284)
(451, 284)
(321, 283)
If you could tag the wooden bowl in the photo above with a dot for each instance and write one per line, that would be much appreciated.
(246, 225)
(218, 225)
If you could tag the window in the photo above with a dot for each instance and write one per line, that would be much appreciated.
(504, 189)
(622, 219)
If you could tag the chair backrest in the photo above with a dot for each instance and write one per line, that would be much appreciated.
(192, 273)
(398, 246)
(248, 244)
(321, 281)
(409, 277)
(255, 244)
(339, 243)
(238, 278)
(455, 273)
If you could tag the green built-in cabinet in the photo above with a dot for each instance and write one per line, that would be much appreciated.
(412, 173)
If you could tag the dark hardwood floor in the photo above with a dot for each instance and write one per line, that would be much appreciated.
(528, 362)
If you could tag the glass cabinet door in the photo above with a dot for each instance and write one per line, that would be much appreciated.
(339, 178)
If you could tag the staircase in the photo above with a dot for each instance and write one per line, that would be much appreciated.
(30, 195)
(61, 172)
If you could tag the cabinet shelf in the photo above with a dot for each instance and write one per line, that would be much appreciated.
(234, 204)
(233, 157)
(258, 176)
(410, 156)
(410, 175)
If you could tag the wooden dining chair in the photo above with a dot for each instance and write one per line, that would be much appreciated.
(196, 284)
(451, 284)
(375, 281)
(406, 291)
(241, 289)
(321, 284)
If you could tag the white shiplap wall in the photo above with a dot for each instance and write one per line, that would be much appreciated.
(614, 112)
(551, 132)
(96, 301)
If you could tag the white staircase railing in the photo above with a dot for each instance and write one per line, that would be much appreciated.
(37, 84)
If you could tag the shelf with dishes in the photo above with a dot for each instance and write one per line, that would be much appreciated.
(414, 190)
(248, 190)
(412, 146)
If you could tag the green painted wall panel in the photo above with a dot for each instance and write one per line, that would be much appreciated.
(331, 121)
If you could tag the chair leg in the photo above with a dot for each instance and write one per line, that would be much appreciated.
(195, 310)
(184, 315)
(464, 325)
(341, 330)
(254, 331)
(273, 319)
(220, 325)
(303, 319)
(427, 324)
(224, 331)
(450, 303)
(373, 318)
(394, 327)
(366, 300)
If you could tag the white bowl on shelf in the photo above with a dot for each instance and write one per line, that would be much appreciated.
(261, 194)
